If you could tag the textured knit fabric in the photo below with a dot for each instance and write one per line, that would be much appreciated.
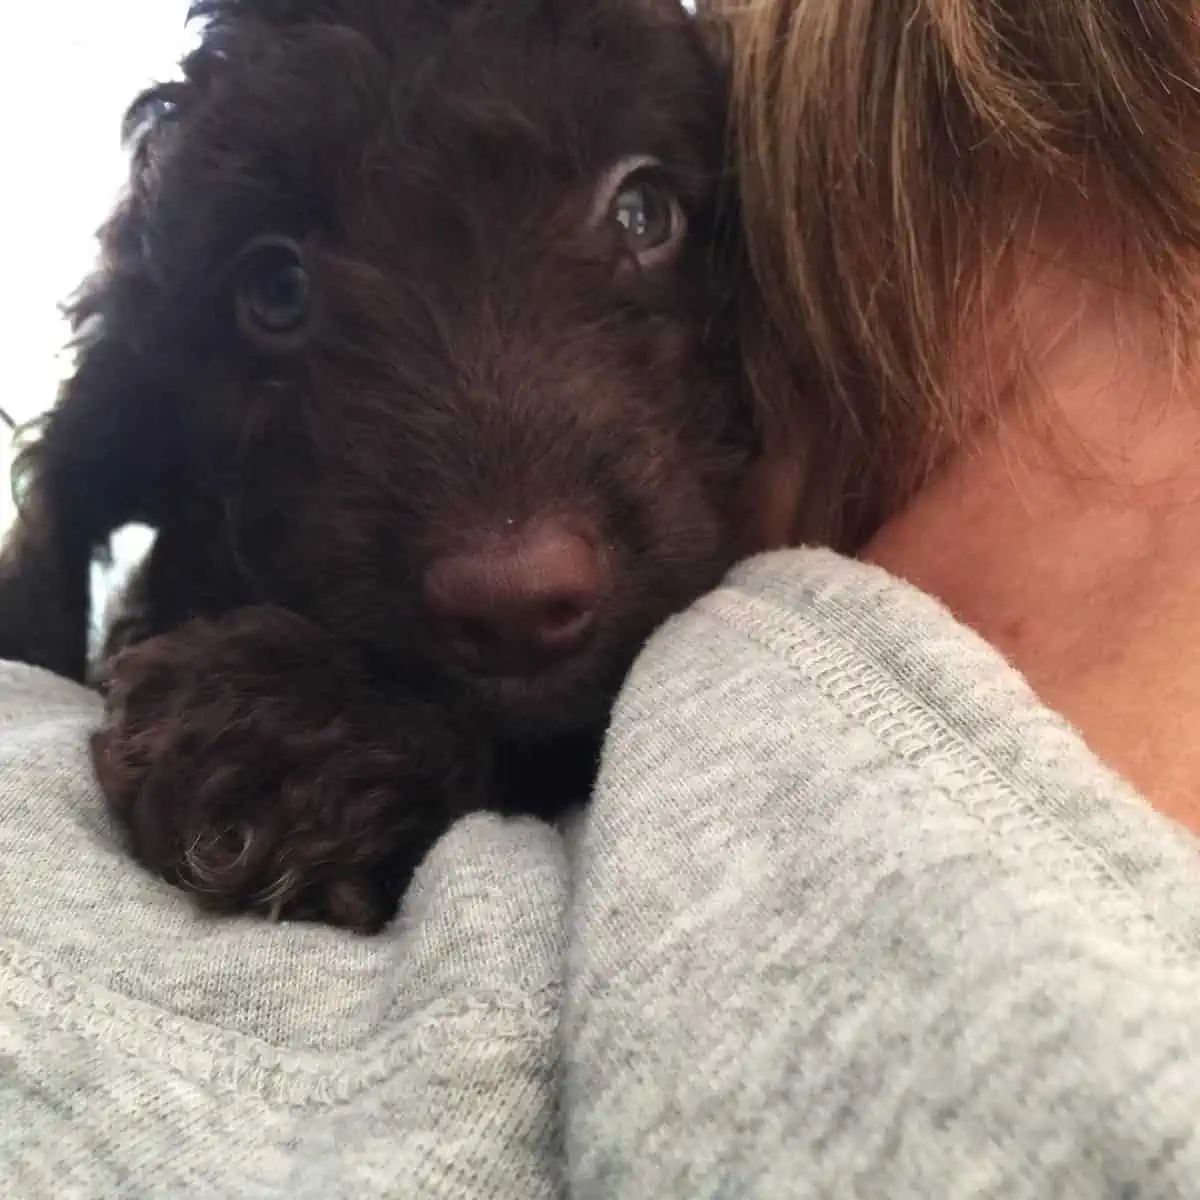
(850, 915)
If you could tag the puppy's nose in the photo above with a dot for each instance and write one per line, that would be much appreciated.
(518, 605)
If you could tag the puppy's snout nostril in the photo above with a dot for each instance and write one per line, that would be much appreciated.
(518, 604)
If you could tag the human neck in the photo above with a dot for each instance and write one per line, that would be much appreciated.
(1073, 546)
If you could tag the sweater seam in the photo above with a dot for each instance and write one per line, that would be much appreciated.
(244, 1064)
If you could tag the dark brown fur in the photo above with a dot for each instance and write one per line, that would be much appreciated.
(287, 732)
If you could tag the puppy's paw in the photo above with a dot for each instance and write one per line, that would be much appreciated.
(253, 766)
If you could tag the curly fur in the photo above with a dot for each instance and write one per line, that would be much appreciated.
(286, 732)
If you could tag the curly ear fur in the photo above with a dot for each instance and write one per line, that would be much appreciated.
(104, 451)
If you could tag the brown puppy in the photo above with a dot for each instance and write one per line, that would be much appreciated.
(414, 342)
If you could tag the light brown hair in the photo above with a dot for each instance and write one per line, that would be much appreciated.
(894, 157)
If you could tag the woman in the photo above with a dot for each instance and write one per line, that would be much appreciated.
(855, 910)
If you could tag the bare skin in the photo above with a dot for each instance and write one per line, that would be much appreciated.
(1072, 543)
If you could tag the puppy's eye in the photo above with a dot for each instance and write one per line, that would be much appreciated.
(274, 294)
(647, 216)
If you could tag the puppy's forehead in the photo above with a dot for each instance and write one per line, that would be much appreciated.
(295, 112)
(590, 78)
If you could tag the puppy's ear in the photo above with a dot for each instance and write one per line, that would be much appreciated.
(100, 457)
(108, 450)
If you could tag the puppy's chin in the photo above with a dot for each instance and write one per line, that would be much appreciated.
(537, 708)
(574, 697)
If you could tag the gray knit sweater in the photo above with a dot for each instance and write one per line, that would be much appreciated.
(850, 915)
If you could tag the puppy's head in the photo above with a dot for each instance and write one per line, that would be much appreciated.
(438, 293)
